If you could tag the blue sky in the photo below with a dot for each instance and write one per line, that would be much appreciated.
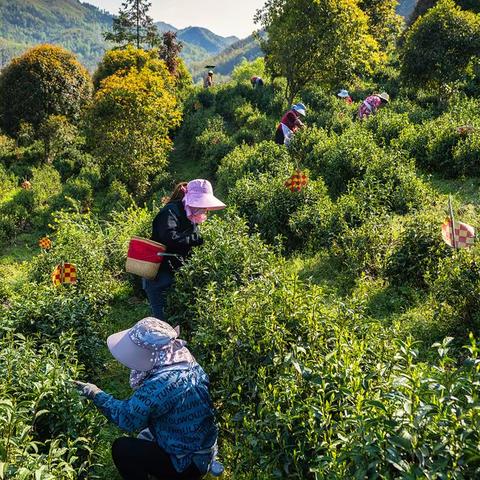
(224, 17)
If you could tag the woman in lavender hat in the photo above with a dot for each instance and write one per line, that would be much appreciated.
(176, 226)
(170, 407)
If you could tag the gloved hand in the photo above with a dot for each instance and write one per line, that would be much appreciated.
(88, 390)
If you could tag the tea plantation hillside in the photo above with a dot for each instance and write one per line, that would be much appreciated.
(338, 329)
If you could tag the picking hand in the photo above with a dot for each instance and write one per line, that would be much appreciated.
(88, 390)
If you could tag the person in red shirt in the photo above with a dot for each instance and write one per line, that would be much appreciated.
(289, 124)
(256, 81)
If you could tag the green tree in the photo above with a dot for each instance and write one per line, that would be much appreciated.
(245, 70)
(423, 5)
(128, 125)
(385, 24)
(319, 41)
(56, 134)
(134, 26)
(440, 46)
(115, 61)
(46, 80)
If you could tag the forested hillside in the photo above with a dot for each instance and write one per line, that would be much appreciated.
(248, 48)
(80, 27)
(74, 25)
(334, 304)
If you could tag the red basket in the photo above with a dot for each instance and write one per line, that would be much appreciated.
(144, 257)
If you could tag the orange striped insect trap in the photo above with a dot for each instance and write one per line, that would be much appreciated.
(297, 181)
(64, 274)
(144, 257)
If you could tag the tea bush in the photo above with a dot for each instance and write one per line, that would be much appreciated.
(16, 215)
(307, 386)
(326, 110)
(308, 147)
(193, 126)
(252, 125)
(439, 146)
(228, 259)
(466, 155)
(456, 288)
(46, 430)
(268, 205)
(393, 184)
(7, 181)
(46, 183)
(365, 249)
(419, 251)
(387, 125)
(52, 311)
(244, 160)
(212, 144)
(347, 158)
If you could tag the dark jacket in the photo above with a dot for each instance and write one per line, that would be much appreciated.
(172, 228)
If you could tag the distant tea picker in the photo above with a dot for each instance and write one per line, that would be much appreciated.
(289, 124)
(372, 104)
(208, 79)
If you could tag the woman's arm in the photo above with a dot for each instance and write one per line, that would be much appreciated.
(132, 414)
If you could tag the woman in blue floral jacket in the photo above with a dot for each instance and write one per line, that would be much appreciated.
(170, 406)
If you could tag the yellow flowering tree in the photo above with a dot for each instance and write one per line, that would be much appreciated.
(117, 60)
(129, 122)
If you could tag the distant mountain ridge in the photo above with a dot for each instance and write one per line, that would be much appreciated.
(227, 59)
(199, 43)
(79, 27)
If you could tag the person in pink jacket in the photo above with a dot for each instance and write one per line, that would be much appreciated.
(372, 103)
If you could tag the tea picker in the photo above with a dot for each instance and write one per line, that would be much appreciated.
(175, 233)
(208, 79)
(372, 104)
(170, 406)
(289, 124)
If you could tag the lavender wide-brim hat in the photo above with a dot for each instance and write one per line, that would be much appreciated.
(136, 347)
(200, 195)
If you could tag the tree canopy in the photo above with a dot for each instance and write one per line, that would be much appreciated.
(46, 80)
(440, 46)
(324, 41)
(129, 122)
(133, 25)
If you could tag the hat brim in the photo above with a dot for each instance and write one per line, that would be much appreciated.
(342, 95)
(204, 200)
(301, 111)
(128, 353)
